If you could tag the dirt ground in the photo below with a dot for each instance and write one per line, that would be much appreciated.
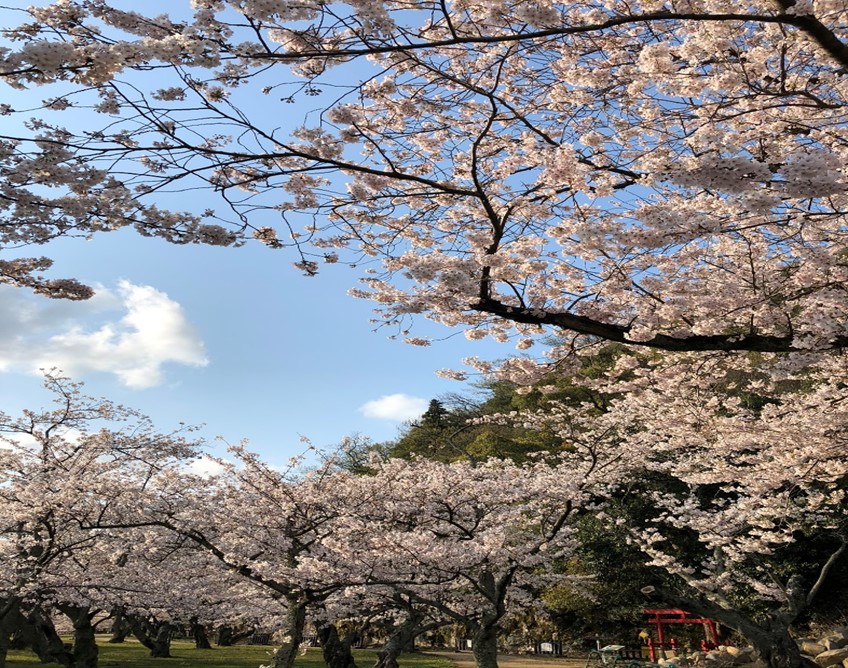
(465, 660)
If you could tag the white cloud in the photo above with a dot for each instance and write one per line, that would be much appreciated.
(79, 337)
(206, 467)
(396, 407)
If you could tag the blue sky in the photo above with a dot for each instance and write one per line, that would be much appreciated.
(233, 338)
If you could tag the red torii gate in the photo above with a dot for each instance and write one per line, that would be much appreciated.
(677, 616)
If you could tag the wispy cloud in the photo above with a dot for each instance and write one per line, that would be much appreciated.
(130, 332)
(395, 407)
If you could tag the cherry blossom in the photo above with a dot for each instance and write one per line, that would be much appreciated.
(680, 187)
(660, 174)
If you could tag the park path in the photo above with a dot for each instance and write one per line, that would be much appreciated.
(466, 660)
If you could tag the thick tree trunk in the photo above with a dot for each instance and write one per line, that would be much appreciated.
(155, 635)
(5, 642)
(774, 645)
(401, 638)
(286, 653)
(782, 651)
(225, 636)
(162, 642)
(388, 656)
(228, 636)
(484, 643)
(35, 630)
(85, 645)
(39, 634)
(336, 651)
(120, 628)
(5, 637)
(485, 637)
(7, 608)
(198, 632)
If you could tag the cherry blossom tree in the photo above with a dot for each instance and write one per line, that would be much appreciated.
(66, 473)
(658, 173)
(661, 173)
(95, 505)
(462, 542)
(749, 455)
(266, 527)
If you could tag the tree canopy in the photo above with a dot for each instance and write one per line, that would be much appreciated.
(665, 175)
(658, 173)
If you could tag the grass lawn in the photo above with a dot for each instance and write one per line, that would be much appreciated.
(183, 655)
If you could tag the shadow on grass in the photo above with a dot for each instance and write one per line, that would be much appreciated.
(132, 655)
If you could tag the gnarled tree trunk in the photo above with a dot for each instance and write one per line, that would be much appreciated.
(121, 628)
(85, 646)
(7, 613)
(484, 642)
(198, 632)
(39, 633)
(336, 651)
(228, 636)
(485, 628)
(155, 635)
(286, 653)
(388, 656)
(402, 637)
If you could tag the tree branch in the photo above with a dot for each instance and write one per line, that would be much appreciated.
(619, 333)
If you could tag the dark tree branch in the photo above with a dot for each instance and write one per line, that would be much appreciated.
(619, 333)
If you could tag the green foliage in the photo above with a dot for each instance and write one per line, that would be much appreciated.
(446, 432)
(441, 434)
(614, 605)
(436, 415)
